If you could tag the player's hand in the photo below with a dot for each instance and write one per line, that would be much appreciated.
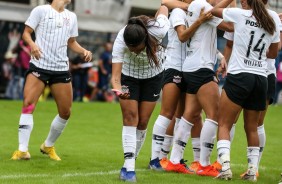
(87, 56)
(35, 52)
(120, 94)
(222, 68)
(205, 16)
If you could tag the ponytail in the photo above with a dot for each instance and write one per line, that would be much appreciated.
(262, 16)
(136, 32)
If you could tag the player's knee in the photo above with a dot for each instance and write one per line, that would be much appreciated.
(65, 114)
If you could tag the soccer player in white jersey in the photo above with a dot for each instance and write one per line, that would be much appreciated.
(271, 78)
(173, 84)
(136, 79)
(248, 61)
(202, 89)
(55, 29)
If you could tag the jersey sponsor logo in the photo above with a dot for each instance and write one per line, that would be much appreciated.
(177, 79)
(253, 24)
(253, 63)
(36, 74)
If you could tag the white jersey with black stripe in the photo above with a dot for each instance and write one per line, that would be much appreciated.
(250, 44)
(52, 31)
(202, 47)
(176, 50)
(137, 65)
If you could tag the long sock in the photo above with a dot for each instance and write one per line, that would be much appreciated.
(207, 138)
(232, 133)
(140, 138)
(262, 140)
(223, 151)
(166, 146)
(253, 156)
(180, 139)
(159, 130)
(176, 125)
(129, 147)
(25, 128)
(56, 129)
(196, 148)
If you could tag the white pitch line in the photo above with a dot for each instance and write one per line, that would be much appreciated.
(81, 174)
(66, 175)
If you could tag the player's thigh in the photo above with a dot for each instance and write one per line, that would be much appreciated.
(145, 111)
(208, 96)
(33, 88)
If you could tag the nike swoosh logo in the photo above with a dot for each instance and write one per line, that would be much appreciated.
(155, 95)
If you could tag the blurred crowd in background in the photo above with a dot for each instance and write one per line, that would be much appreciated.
(91, 81)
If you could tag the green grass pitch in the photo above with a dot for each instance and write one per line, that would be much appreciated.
(91, 149)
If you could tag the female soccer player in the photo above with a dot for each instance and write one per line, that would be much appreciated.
(271, 78)
(173, 83)
(55, 29)
(248, 61)
(136, 79)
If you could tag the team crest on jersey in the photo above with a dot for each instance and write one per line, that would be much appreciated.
(66, 21)
(177, 79)
(190, 14)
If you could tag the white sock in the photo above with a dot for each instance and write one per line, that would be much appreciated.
(56, 129)
(166, 146)
(196, 148)
(129, 147)
(180, 139)
(207, 137)
(25, 128)
(223, 151)
(176, 125)
(140, 138)
(262, 140)
(232, 132)
(159, 130)
(253, 156)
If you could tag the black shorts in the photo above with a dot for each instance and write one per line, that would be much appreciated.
(194, 80)
(143, 89)
(174, 76)
(49, 77)
(247, 90)
(271, 79)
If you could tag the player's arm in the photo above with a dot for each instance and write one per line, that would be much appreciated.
(162, 10)
(218, 9)
(35, 50)
(74, 46)
(184, 34)
(171, 4)
(273, 51)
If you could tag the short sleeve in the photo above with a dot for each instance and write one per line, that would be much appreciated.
(74, 29)
(160, 27)
(35, 17)
(228, 36)
(177, 17)
(231, 14)
(119, 48)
